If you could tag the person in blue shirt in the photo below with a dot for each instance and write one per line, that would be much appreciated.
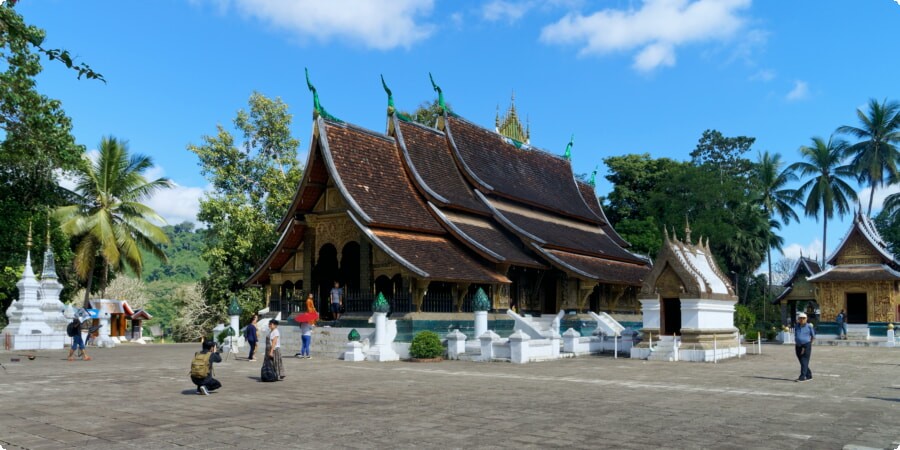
(804, 335)
(250, 334)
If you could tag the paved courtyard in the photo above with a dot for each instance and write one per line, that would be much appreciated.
(140, 397)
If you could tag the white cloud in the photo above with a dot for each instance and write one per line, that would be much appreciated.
(176, 205)
(378, 24)
(654, 30)
(799, 92)
(811, 250)
(764, 75)
(509, 11)
(878, 201)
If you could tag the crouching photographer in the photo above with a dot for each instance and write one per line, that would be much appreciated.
(202, 369)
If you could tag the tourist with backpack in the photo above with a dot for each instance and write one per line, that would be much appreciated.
(73, 330)
(202, 370)
(804, 335)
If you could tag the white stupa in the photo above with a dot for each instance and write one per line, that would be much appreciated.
(28, 328)
(51, 306)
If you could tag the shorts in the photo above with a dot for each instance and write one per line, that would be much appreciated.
(336, 308)
(77, 342)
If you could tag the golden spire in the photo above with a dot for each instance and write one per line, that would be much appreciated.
(48, 229)
(28, 243)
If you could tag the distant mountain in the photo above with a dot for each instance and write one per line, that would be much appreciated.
(184, 249)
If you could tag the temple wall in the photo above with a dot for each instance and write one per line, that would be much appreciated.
(882, 298)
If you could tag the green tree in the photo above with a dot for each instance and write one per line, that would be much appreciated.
(633, 177)
(875, 157)
(724, 153)
(253, 185)
(426, 113)
(107, 218)
(826, 190)
(776, 199)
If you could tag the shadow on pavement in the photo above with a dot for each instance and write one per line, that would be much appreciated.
(885, 399)
(773, 378)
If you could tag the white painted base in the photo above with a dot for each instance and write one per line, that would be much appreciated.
(54, 341)
(695, 355)
(354, 352)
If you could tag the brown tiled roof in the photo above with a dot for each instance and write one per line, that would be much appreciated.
(370, 168)
(432, 160)
(560, 235)
(879, 272)
(315, 175)
(289, 240)
(604, 270)
(531, 176)
(440, 258)
(486, 233)
(590, 198)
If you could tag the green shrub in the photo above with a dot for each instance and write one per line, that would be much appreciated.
(771, 334)
(744, 319)
(425, 345)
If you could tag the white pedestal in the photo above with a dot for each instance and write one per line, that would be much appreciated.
(354, 352)
(383, 350)
(103, 339)
(480, 323)
(456, 344)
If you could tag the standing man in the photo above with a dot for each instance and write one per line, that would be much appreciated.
(250, 334)
(842, 325)
(337, 299)
(804, 335)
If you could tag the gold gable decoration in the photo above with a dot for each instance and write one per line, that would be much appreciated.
(510, 126)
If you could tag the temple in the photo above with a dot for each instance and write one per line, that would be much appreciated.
(798, 294)
(427, 215)
(863, 278)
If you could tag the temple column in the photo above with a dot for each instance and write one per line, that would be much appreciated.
(419, 289)
(460, 295)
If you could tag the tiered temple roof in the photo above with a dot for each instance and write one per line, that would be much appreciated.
(862, 256)
(804, 268)
(457, 203)
(694, 267)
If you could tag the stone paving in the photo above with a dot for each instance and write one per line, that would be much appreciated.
(140, 397)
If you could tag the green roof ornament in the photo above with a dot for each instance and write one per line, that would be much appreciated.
(381, 304)
(353, 335)
(389, 94)
(318, 110)
(593, 180)
(439, 91)
(481, 302)
(234, 309)
(568, 153)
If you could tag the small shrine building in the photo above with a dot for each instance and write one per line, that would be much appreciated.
(428, 214)
(798, 293)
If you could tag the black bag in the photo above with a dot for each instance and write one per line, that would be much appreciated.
(343, 309)
(72, 329)
(268, 374)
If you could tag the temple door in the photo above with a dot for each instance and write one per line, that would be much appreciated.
(671, 316)
(857, 308)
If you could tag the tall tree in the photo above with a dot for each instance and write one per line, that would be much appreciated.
(253, 185)
(875, 157)
(826, 189)
(726, 154)
(107, 217)
(776, 199)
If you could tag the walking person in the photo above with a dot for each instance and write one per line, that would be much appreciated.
(306, 338)
(73, 330)
(804, 335)
(250, 334)
(842, 325)
(201, 368)
(273, 348)
(337, 300)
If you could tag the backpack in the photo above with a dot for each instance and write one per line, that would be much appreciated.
(72, 329)
(268, 374)
(200, 365)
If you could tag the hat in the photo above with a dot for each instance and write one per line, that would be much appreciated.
(801, 315)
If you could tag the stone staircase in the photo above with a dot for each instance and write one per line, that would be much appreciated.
(327, 342)
(858, 332)
(663, 350)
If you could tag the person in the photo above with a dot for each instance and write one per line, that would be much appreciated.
(804, 335)
(250, 333)
(842, 325)
(306, 337)
(202, 369)
(310, 303)
(337, 299)
(273, 348)
(73, 330)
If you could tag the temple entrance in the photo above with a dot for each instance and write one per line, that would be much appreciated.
(549, 302)
(349, 273)
(325, 273)
(671, 316)
(857, 308)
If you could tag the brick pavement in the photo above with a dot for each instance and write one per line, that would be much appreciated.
(140, 397)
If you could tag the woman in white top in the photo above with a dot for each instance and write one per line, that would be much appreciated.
(273, 348)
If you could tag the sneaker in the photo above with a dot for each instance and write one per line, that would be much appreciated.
(800, 380)
(254, 359)
(203, 390)
(297, 355)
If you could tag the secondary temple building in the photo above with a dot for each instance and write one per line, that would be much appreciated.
(428, 214)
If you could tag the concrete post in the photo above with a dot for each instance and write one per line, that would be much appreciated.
(518, 347)
(481, 326)
(456, 344)
(487, 345)
(103, 339)
(353, 352)
(554, 346)
(891, 341)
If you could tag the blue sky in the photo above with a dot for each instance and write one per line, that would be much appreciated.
(623, 76)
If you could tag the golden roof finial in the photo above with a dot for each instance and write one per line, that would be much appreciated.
(48, 229)
(28, 243)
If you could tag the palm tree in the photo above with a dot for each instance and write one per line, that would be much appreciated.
(107, 217)
(826, 190)
(876, 153)
(776, 200)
